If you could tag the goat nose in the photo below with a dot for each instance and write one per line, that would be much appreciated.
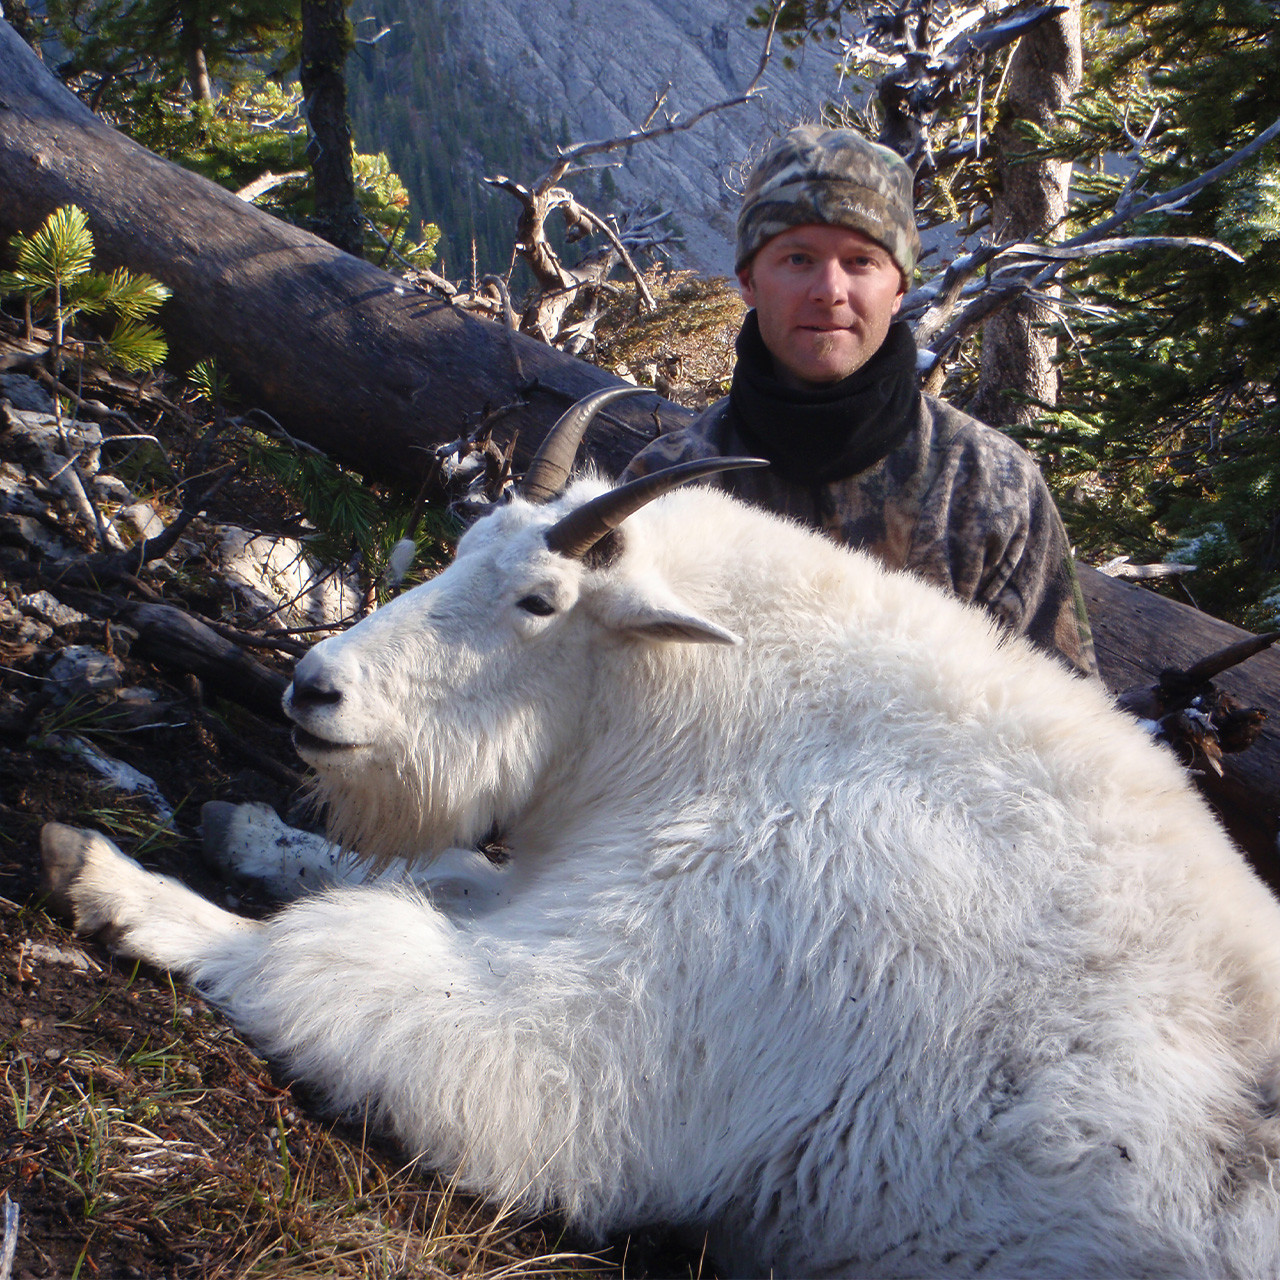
(314, 691)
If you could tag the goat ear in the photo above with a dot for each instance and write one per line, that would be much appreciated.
(653, 611)
(683, 627)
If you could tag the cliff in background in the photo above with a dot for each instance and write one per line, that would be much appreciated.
(458, 89)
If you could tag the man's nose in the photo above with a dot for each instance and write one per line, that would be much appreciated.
(828, 284)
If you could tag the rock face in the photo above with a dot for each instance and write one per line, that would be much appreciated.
(583, 71)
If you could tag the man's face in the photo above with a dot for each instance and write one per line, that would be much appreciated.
(824, 297)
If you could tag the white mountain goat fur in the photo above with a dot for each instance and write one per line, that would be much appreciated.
(837, 926)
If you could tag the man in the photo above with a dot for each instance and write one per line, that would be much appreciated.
(826, 388)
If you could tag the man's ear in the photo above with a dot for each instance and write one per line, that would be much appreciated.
(745, 287)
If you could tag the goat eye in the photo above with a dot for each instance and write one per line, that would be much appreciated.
(536, 605)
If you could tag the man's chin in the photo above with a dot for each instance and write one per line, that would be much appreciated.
(826, 360)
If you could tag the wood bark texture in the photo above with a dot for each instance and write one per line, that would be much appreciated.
(175, 639)
(326, 41)
(1018, 350)
(345, 356)
(1137, 635)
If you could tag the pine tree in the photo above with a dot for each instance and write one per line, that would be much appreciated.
(1172, 447)
(129, 61)
(52, 272)
(130, 55)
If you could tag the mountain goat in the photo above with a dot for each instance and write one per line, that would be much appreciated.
(834, 924)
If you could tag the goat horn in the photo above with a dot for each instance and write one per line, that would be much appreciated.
(548, 473)
(575, 534)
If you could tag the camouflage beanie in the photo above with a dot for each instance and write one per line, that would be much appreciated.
(833, 177)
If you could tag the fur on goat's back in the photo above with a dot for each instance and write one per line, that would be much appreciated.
(854, 678)
(987, 901)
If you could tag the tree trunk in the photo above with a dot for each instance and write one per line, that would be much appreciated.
(343, 355)
(191, 41)
(1017, 371)
(326, 41)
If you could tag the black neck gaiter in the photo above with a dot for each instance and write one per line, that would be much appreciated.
(829, 433)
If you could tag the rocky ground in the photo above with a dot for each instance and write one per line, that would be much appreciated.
(138, 1135)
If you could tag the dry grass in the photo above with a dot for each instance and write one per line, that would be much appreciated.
(694, 325)
(142, 1137)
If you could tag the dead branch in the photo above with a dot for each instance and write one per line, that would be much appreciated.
(580, 151)
(561, 287)
(268, 182)
(932, 309)
(930, 51)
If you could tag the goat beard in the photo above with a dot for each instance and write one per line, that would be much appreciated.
(417, 808)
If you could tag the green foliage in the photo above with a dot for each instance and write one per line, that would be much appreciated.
(126, 60)
(50, 261)
(125, 54)
(52, 273)
(263, 129)
(1168, 445)
(209, 382)
(354, 522)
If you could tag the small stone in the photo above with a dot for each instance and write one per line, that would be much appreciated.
(111, 488)
(46, 607)
(68, 957)
(25, 393)
(142, 519)
(81, 669)
(16, 493)
(28, 531)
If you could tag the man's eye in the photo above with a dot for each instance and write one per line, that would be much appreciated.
(536, 605)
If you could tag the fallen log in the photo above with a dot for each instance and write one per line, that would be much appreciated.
(345, 356)
(1139, 634)
(174, 639)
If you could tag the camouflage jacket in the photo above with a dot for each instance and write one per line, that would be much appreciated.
(956, 502)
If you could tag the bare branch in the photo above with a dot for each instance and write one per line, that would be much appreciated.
(561, 286)
(646, 298)
(1179, 195)
(1071, 252)
(939, 333)
(568, 155)
(267, 182)
(658, 100)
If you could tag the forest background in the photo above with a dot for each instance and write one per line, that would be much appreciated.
(1156, 423)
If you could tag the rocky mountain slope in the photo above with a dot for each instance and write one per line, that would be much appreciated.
(457, 89)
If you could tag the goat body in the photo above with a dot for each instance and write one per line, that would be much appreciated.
(836, 925)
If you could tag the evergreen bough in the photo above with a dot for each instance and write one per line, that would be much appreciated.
(52, 272)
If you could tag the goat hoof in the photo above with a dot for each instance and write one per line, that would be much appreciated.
(243, 840)
(216, 819)
(64, 851)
